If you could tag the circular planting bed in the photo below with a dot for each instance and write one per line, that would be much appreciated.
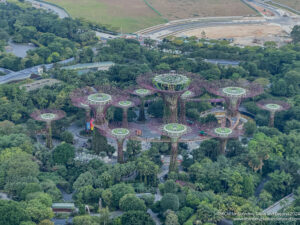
(142, 92)
(48, 116)
(187, 94)
(99, 98)
(223, 131)
(234, 91)
(273, 107)
(125, 103)
(174, 129)
(173, 82)
(120, 132)
(84, 105)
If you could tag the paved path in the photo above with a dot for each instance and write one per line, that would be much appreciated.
(277, 206)
(26, 73)
(4, 196)
(284, 6)
(154, 216)
(260, 187)
(6, 71)
(60, 12)
(79, 141)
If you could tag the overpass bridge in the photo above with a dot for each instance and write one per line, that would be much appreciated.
(26, 73)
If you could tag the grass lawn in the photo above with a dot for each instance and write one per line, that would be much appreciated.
(295, 4)
(134, 15)
(128, 16)
(180, 9)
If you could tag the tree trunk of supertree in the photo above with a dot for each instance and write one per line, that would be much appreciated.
(223, 145)
(142, 110)
(182, 110)
(120, 151)
(49, 135)
(170, 108)
(233, 105)
(173, 158)
(125, 118)
(272, 118)
(100, 116)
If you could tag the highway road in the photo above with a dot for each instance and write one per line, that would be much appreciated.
(60, 12)
(26, 73)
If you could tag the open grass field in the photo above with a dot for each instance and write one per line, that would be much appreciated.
(295, 4)
(134, 15)
(180, 9)
(129, 15)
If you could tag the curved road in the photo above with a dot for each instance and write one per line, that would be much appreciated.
(60, 12)
(174, 27)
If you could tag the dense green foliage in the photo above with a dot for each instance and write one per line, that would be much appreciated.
(257, 171)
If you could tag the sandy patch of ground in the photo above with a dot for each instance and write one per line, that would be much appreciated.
(242, 34)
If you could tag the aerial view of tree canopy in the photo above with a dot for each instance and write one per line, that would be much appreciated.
(159, 136)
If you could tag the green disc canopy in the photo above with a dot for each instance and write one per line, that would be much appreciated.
(125, 103)
(142, 92)
(234, 91)
(223, 131)
(99, 98)
(48, 116)
(273, 107)
(187, 94)
(175, 130)
(172, 82)
(120, 133)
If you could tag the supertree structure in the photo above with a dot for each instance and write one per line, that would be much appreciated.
(124, 105)
(186, 96)
(233, 92)
(142, 94)
(174, 131)
(48, 115)
(104, 97)
(273, 106)
(78, 99)
(119, 134)
(221, 133)
(171, 86)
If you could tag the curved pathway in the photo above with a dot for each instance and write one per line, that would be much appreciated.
(57, 10)
(175, 27)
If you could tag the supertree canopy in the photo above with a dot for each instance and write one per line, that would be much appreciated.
(125, 105)
(119, 134)
(170, 85)
(174, 131)
(78, 99)
(104, 97)
(222, 133)
(194, 91)
(273, 106)
(233, 92)
(142, 93)
(48, 115)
